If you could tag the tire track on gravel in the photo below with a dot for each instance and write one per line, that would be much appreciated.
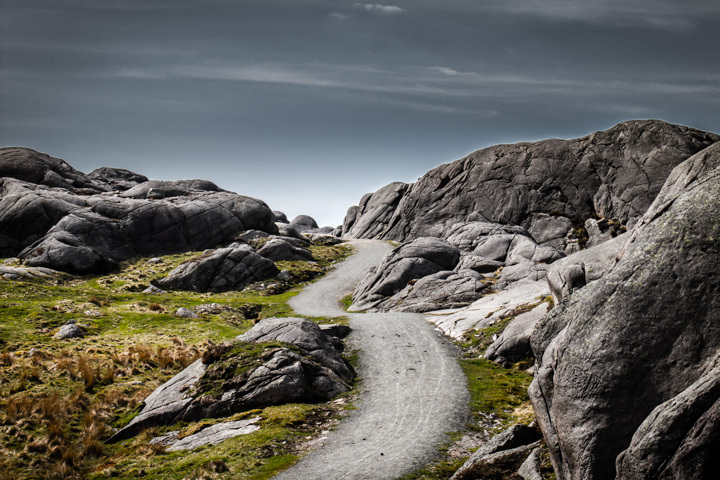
(412, 393)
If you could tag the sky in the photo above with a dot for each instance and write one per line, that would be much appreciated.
(309, 104)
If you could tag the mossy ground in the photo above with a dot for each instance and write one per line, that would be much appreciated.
(59, 402)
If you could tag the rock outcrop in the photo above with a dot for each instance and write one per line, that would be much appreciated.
(429, 273)
(221, 270)
(626, 385)
(54, 216)
(279, 360)
(550, 187)
(502, 456)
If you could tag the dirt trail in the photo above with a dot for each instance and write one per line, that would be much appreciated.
(413, 391)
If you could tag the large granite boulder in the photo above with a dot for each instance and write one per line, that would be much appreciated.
(614, 174)
(304, 223)
(221, 270)
(409, 280)
(411, 261)
(280, 360)
(626, 363)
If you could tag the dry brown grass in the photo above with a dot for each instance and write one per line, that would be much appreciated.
(7, 358)
(156, 307)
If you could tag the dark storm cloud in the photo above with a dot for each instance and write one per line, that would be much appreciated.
(271, 98)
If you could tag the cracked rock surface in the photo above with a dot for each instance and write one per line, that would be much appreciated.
(54, 216)
(547, 186)
(626, 380)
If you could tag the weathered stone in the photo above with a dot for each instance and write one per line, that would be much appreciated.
(530, 469)
(280, 217)
(279, 249)
(513, 344)
(304, 223)
(501, 456)
(411, 261)
(117, 178)
(487, 310)
(445, 289)
(574, 272)
(638, 337)
(220, 270)
(572, 180)
(301, 333)
(70, 330)
(184, 312)
(212, 435)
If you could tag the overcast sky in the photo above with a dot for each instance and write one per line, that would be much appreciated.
(309, 104)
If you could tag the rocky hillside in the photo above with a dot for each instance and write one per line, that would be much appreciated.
(54, 216)
(627, 381)
(551, 188)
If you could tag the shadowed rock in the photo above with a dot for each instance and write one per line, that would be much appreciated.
(501, 457)
(117, 178)
(220, 270)
(411, 261)
(53, 216)
(618, 349)
(279, 249)
(513, 344)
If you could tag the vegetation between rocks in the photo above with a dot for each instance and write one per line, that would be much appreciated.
(60, 399)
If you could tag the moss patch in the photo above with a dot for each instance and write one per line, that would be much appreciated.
(60, 401)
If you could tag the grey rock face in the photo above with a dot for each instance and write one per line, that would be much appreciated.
(117, 178)
(573, 272)
(504, 453)
(278, 249)
(323, 239)
(38, 168)
(211, 435)
(220, 270)
(304, 334)
(57, 217)
(513, 344)
(639, 337)
(371, 219)
(157, 189)
(186, 313)
(280, 217)
(614, 174)
(297, 363)
(411, 261)
(112, 229)
(675, 440)
(530, 469)
(432, 274)
(303, 223)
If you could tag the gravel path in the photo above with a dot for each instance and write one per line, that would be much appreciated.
(412, 393)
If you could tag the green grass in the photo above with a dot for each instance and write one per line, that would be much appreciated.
(58, 406)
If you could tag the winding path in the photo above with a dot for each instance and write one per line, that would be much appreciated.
(413, 391)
